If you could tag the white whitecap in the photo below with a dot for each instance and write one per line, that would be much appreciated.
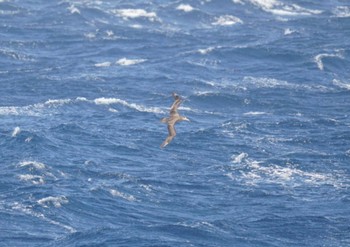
(52, 200)
(342, 11)
(127, 62)
(29, 139)
(127, 197)
(341, 84)
(278, 8)
(33, 164)
(238, 158)
(90, 35)
(110, 33)
(185, 7)
(254, 113)
(319, 57)
(135, 13)
(28, 210)
(141, 108)
(16, 131)
(289, 31)
(34, 179)
(73, 9)
(56, 102)
(226, 20)
(254, 172)
(136, 26)
(112, 110)
(103, 64)
(206, 50)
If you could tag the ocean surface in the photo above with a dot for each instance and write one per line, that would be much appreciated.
(265, 160)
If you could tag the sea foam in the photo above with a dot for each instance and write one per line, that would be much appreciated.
(278, 8)
(341, 84)
(135, 13)
(141, 108)
(55, 201)
(33, 164)
(73, 9)
(127, 62)
(28, 210)
(117, 193)
(254, 172)
(103, 64)
(319, 57)
(185, 7)
(226, 20)
(342, 11)
(16, 131)
(34, 179)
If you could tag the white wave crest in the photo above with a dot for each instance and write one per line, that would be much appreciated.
(73, 9)
(255, 113)
(55, 201)
(103, 64)
(56, 102)
(127, 62)
(319, 57)
(185, 7)
(141, 108)
(34, 179)
(226, 20)
(28, 210)
(341, 84)
(117, 193)
(206, 51)
(238, 158)
(135, 13)
(289, 31)
(254, 172)
(16, 131)
(342, 11)
(33, 164)
(278, 8)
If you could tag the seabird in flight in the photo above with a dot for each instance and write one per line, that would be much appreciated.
(172, 120)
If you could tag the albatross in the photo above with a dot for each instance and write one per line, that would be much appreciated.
(172, 120)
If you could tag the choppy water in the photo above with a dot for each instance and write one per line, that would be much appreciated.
(263, 162)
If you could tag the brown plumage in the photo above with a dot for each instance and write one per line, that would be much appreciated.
(172, 120)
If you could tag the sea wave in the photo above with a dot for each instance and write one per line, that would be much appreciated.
(127, 14)
(185, 7)
(32, 164)
(56, 201)
(29, 210)
(255, 172)
(319, 57)
(34, 179)
(226, 20)
(127, 62)
(39, 108)
(341, 84)
(278, 8)
(342, 11)
(138, 107)
(127, 197)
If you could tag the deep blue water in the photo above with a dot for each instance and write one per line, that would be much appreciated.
(265, 160)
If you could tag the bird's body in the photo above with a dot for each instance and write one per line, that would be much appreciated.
(172, 120)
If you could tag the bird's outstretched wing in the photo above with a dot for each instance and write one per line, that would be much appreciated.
(170, 137)
(177, 102)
